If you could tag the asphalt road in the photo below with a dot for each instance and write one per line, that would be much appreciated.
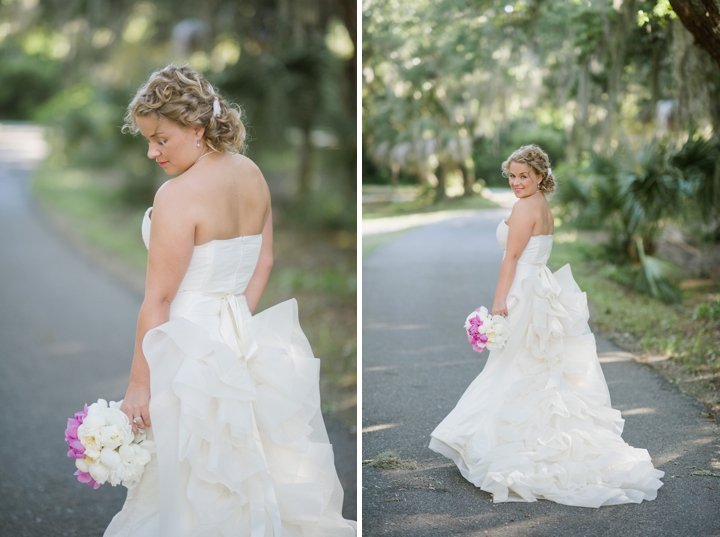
(66, 337)
(416, 364)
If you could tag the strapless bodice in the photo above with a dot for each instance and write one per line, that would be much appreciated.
(537, 251)
(219, 266)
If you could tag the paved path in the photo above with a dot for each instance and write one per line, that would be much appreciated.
(417, 291)
(66, 337)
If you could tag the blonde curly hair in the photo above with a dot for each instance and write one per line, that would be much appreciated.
(187, 98)
(537, 159)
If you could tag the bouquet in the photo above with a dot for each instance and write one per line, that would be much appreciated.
(486, 331)
(104, 447)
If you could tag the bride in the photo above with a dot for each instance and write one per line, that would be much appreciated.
(230, 398)
(537, 422)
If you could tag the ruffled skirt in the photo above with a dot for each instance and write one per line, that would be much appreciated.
(241, 444)
(537, 422)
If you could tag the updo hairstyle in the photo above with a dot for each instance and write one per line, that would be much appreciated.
(538, 160)
(187, 98)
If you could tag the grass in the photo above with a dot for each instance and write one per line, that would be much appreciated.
(389, 460)
(316, 267)
(370, 243)
(412, 201)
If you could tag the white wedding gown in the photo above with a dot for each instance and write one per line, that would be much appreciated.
(241, 445)
(537, 422)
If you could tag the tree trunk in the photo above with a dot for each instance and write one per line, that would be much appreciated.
(395, 170)
(468, 175)
(305, 154)
(702, 20)
(440, 189)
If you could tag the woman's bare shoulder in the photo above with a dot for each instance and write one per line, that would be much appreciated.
(247, 168)
(174, 196)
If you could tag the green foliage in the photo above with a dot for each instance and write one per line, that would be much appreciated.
(291, 70)
(708, 310)
(655, 277)
(569, 76)
(26, 82)
(632, 194)
(699, 163)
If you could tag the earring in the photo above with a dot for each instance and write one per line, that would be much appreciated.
(198, 143)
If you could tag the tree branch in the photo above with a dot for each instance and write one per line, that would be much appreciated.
(702, 19)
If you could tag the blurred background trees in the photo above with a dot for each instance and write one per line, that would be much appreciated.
(625, 100)
(75, 65)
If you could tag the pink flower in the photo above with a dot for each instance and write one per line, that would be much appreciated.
(80, 416)
(483, 338)
(85, 477)
(478, 348)
(77, 450)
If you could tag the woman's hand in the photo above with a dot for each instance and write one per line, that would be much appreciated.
(137, 405)
(500, 307)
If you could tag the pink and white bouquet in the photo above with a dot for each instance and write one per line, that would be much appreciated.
(486, 331)
(101, 441)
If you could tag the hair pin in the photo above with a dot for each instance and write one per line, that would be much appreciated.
(216, 107)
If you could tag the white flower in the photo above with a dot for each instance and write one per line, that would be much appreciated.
(109, 436)
(114, 479)
(497, 319)
(82, 465)
(131, 473)
(115, 416)
(98, 407)
(142, 455)
(91, 443)
(110, 458)
(482, 329)
(99, 473)
(91, 424)
(127, 453)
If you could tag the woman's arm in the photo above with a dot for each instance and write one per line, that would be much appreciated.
(519, 233)
(256, 285)
(172, 239)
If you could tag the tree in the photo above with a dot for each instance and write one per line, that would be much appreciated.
(702, 19)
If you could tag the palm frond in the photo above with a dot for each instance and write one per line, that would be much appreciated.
(655, 277)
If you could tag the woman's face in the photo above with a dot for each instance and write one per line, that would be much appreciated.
(172, 146)
(523, 179)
